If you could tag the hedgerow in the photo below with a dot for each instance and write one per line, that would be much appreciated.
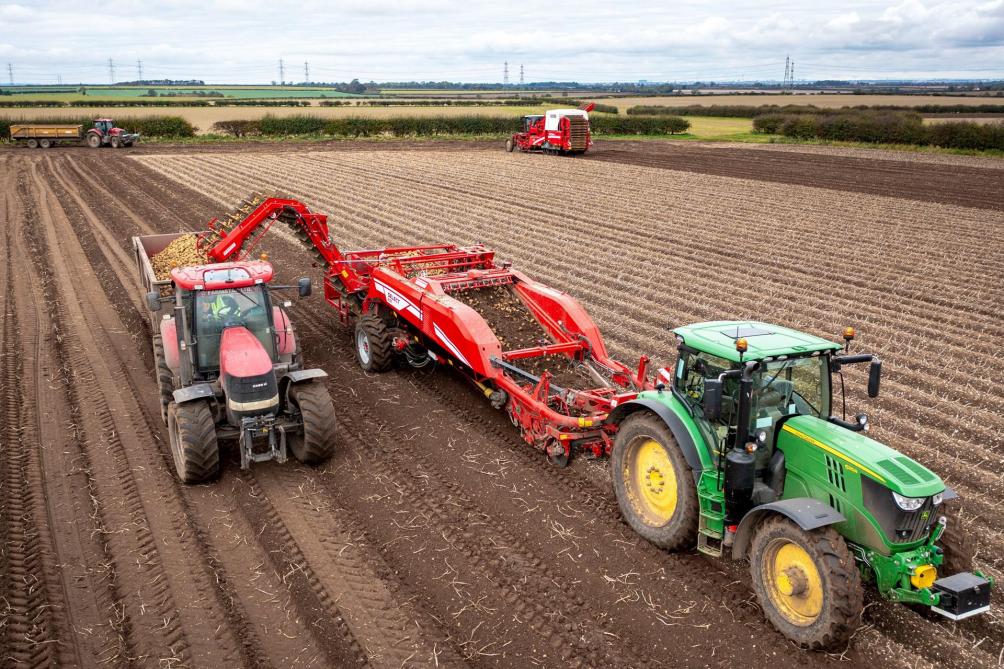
(147, 126)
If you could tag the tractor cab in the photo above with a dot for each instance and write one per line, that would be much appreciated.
(221, 298)
(104, 125)
(531, 121)
(791, 378)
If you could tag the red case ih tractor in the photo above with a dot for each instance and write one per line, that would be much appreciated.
(557, 131)
(228, 366)
(104, 133)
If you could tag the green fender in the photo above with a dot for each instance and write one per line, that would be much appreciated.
(806, 512)
(673, 422)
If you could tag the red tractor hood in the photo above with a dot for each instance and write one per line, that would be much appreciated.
(242, 355)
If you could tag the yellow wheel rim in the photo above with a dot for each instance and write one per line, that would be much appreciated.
(793, 582)
(652, 482)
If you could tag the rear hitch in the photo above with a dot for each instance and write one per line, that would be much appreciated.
(257, 426)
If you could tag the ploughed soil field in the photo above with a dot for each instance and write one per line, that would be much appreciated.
(433, 537)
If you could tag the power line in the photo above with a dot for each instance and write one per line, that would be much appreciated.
(521, 74)
(282, 72)
(505, 74)
(306, 72)
(10, 71)
(139, 70)
(111, 71)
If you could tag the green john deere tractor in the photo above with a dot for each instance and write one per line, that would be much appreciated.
(739, 451)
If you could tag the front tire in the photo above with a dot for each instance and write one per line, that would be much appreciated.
(653, 483)
(116, 143)
(509, 145)
(316, 443)
(192, 431)
(807, 583)
(373, 344)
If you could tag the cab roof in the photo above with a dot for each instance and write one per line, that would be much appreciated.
(222, 275)
(762, 339)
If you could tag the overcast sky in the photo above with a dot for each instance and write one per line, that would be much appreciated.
(402, 40)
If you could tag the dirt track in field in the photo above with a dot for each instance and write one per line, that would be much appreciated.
(434, 538)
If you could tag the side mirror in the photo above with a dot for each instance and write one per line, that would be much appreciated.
(304, 286)
(874, 377)
(153, 300)
(712, 399)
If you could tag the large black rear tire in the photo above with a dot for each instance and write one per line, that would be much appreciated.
(165, 378)
(316, 443)
(807, 583)
(653, 483)
(373, 340)
(192, 432)
(94, 140)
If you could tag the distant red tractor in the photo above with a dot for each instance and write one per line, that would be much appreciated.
(44, 135)
(556, 131)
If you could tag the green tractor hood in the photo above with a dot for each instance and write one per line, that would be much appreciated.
(860, 454)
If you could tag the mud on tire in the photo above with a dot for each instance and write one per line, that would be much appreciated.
(373, 342)
(165, 378)
(680, 530)
(842, 594)
(192, 432)
(316, 443)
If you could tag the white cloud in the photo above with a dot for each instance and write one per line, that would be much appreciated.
(239, 41)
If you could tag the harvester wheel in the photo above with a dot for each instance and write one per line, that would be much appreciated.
(93, 141)
(193, 441)
(316, 443)
(373, 344)
(958, 543)
(807, 583)
(32, 143)
(509, 146)
(165, 378)
(653, 483)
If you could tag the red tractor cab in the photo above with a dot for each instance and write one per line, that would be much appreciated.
(556, 131)
(104, 133)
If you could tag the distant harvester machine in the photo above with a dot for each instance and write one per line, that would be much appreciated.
(556, 131)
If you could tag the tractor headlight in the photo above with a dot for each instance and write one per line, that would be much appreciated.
(938, 498)
(908, 503)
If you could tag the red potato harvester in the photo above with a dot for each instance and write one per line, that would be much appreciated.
(426, 304)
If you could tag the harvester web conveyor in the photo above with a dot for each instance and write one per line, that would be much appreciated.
(422, 304)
